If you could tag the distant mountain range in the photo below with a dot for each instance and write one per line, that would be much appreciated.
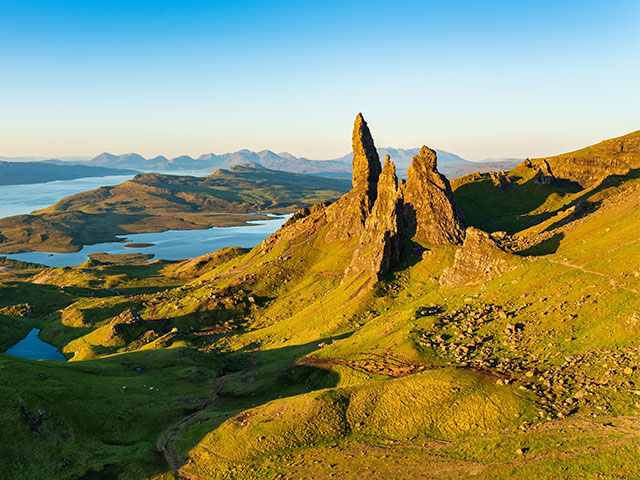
(449, 163)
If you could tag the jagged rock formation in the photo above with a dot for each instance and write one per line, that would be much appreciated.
(543, 176)
(479, 259)
(350, 213)
(500, 179)
(590, 165)
(380, 244)
(430, 213)
(379, 216)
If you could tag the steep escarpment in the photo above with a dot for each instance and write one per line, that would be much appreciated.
(616, 156)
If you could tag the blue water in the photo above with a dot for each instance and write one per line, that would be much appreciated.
(169, 245)
(23, 199)
(33, 348)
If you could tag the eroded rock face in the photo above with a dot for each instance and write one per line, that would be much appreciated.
(479, 259)
(430, 213)
(366, 163)
(543, 176)
(349, 214)
(380, 244)
(500, 179)
(379, 217)
(588, 166)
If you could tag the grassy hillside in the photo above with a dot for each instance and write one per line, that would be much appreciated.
(590, 165)
(515, 358)
(153, 203)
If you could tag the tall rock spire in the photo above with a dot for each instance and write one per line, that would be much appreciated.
(379, 248)
(351, 211)
(366, 163)
(381, 222)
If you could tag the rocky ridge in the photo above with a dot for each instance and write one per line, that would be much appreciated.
(616, 156)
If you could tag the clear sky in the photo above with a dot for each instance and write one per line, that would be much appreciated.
(490, 78)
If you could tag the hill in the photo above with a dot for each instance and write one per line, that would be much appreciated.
(539, 189)
(18, 173)
(616, 156)
(153, 202)
(374, 337)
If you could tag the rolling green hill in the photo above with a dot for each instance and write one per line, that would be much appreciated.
(375, 337)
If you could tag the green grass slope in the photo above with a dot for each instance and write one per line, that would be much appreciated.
(268, 363)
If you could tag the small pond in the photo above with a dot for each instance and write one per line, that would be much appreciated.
(32, 348)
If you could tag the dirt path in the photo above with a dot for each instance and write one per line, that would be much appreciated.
(163, 442)
(582, 269)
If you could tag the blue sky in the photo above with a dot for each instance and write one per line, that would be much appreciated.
(479, 79)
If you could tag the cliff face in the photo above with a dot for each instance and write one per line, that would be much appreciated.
(379, 216)
(590, 165)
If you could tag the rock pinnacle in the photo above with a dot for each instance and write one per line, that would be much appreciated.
(366, 163)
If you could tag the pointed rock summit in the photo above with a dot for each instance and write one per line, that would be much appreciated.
(431, 214)
(366, 163)
(351, 211)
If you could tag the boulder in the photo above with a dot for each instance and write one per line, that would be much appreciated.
(477, 260)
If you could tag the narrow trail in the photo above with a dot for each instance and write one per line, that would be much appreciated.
(584, 270)
(162, 444)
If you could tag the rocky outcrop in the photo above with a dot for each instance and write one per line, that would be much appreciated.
(430, 213)
(500, 180)
(543, 176)
(478, 260)
(379, 218)
(616, 156)
(379, 247)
